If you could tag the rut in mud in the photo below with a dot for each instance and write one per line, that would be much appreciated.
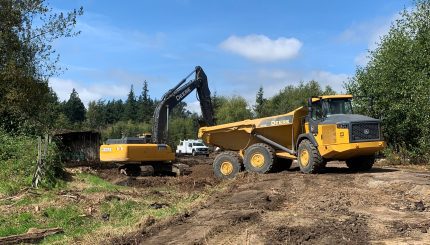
(336, 207)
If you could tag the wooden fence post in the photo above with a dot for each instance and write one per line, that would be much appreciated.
(42, 152)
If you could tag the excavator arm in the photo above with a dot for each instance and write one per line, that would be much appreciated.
(176, 95)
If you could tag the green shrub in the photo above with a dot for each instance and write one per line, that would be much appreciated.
(18, 158)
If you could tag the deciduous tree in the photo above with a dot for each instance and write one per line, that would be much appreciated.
(396, 81)
(27, 59)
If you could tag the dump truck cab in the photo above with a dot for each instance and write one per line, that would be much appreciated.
(324, 130)
(339, 134)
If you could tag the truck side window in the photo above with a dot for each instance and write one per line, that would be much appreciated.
(317, 110)
(190, 145)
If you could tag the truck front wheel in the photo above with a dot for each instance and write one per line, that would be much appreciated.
(310, 160)
(227, 165)
(259, 158)
(364, 163)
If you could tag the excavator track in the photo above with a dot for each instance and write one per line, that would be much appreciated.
(171, 169)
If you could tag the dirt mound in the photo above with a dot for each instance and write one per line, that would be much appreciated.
(195, 160)
(405, 227)
(385, 205)
(353, 230)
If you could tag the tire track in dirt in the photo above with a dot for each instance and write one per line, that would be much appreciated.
(337, 207)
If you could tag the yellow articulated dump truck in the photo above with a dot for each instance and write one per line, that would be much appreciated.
(325, 130)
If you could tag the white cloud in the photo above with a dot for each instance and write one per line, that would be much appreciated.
(113, 39)
(261, 48)
(63, 88)
(368, 32)
(281, 78)
(361, 59)
(194, 107)
(246, 83)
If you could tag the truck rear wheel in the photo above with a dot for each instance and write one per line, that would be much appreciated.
(259, 158)
(310, 160)
(364, 163)
(227, 165)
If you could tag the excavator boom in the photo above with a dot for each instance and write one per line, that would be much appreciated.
(176, 95)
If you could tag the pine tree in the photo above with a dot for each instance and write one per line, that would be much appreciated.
(96, 114)
(259, 103)
(118, 109)
(131, 106)
(74, 109)
(146, 108)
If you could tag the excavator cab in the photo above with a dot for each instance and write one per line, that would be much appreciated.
(147, 137)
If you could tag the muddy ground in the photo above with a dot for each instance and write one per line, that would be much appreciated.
(388, 205)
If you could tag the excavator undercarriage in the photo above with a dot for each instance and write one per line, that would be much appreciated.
(151, 169)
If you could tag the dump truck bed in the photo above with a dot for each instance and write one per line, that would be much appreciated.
(283, 129)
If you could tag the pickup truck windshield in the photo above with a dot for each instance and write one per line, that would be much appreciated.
(198, 144)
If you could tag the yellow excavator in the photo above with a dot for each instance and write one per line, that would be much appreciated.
(149, 153)
(325, 130)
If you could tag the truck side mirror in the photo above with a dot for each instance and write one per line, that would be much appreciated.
(310, 106)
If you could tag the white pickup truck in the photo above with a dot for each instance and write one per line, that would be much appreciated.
(194, 147)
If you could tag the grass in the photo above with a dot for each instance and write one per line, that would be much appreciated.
(97, 184)
(17, 223)
(126, 209)
(69, 218)
(49, 207)
(18, 156)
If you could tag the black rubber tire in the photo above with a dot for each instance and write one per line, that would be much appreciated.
(364, 163)
(268, 154)
(193, 153)
(283, 164)
(315, 162)
(228, 156)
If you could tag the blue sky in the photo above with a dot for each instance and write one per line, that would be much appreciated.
(241, 45)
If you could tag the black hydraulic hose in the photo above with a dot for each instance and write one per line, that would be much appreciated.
(183, 80)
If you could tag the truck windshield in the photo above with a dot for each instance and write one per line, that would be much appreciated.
(338, 106)
(198, 144)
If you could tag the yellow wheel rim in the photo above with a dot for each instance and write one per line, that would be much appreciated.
(257, 160)
(304, 158)
(226, 168)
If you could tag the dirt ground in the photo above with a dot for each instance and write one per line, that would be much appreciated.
(388, 205)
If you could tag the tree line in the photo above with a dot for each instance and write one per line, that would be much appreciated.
(134, 116)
